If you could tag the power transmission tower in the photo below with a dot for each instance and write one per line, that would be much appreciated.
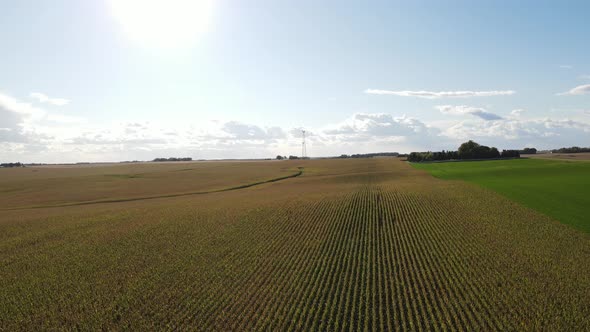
(303, 147)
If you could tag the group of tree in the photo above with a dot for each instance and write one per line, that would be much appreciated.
(370, 155)
(18, 164)
(433, 156)
(291, 157)
(472, 150)
(573, 149)
(174, 159)
(528, 151)
(510, 154)
(468, 150)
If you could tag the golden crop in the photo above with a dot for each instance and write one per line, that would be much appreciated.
(354, 244)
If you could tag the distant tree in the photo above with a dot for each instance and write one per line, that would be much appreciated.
(279, 157)
(472, 150)
(573, 149)
(377, 154)
(494, 153)
(416, 157)
(293, 157)
(17, 164)
(424, 156)
(468, 150)
(528, 151)
(173, 159)
(510, 154)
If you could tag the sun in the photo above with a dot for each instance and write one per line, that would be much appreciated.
(163, 23)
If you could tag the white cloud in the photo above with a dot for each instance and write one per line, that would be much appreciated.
(515, 133)
(11, 104)
(517, 112)
(43, 98)
(370, 125)
(61, 118)
(441, 94)
(359, 133)
(366, 132)
(15, 119)
(363, 132)
(462, 110)
(146, 140)
(31, 134)
(296, 132)
(240, 131)
(579, 90)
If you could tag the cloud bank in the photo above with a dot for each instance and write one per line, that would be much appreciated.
(579, 90)
(15, 118)
(441, 94)
(43, 98)
(32, 134)
(462, 110)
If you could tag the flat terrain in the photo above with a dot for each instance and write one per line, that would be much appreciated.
(557, 188)
(70, 184)
(354, 244)
(564, 156)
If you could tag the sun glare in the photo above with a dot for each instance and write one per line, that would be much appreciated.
(163, 23)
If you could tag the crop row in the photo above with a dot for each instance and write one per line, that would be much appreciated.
(379, 251)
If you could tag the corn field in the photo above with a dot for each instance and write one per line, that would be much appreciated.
(351, 245)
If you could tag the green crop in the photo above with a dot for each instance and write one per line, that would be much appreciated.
(557, 188)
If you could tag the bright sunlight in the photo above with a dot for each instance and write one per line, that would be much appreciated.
(163, 23)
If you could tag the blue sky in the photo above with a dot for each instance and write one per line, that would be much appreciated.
(101, 81)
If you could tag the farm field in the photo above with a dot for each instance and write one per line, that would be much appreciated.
(351, 244)
(564, 156)
(557, 188)
(74, 184)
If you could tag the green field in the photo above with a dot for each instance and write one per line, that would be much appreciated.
(557, 188)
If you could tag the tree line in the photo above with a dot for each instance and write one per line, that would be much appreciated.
(279, 157)
(173, 159)
(18, 164)
(467, 150)
(370, 155)
(573, 149)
